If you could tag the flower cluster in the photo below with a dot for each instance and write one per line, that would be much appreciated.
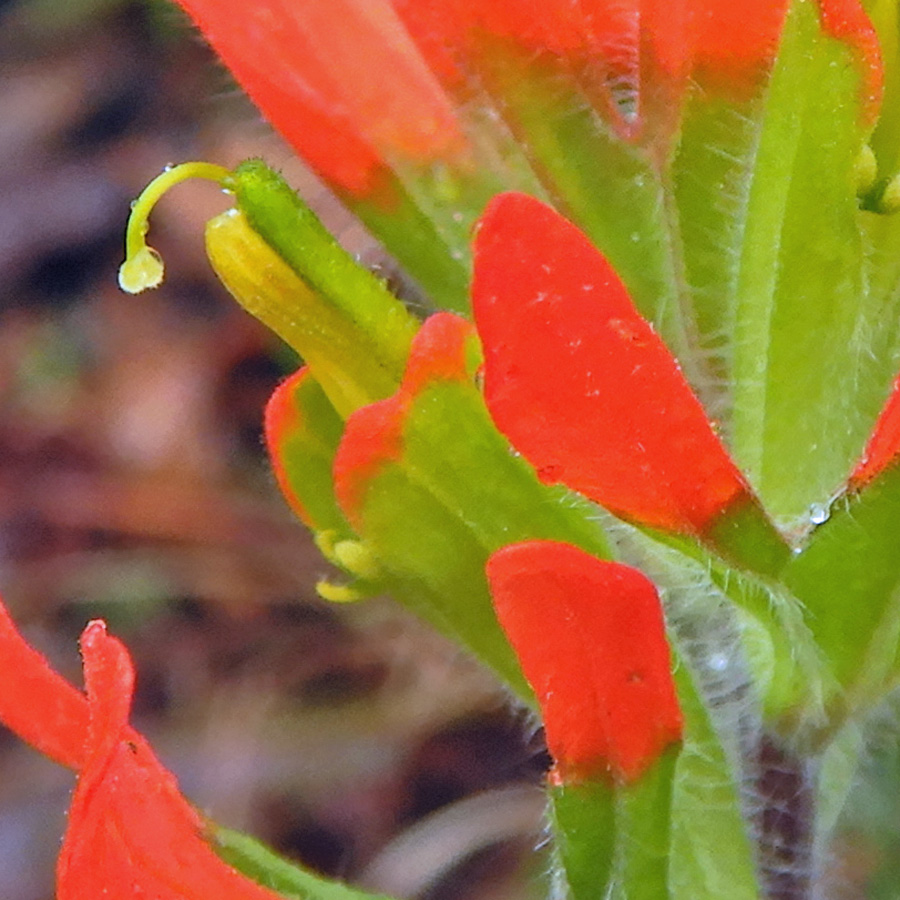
(675, 346)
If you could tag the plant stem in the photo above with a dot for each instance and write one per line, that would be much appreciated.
(785, 821)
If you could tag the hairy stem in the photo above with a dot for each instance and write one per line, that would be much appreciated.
(785, 819)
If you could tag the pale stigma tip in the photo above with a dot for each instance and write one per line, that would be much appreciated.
(141, 271)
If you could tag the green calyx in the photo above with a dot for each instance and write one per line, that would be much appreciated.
(282, 265)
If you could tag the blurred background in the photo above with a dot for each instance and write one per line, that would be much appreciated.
(133, 486)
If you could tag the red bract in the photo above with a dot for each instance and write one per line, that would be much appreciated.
(374, 434)
(353, 84)
(36, 703)
(582, 385)
(884, 444)
(591, 640)
(342, 81)
(131, 833)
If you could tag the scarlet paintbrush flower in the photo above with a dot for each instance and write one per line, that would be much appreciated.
(591, 640)
(580, 382)
(130, 833)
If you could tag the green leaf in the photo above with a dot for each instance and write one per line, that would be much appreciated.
(848, 578)
(886, 137)
(645, 829)
(432, 562)
(261, 864)
(806, 388)
(583, 817)
(614, 839)
(711, 852)
(439, 265)
(463, 494)
(708, 179)
(745, 536)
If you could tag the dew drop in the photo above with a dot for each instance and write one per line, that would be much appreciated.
(819, 513)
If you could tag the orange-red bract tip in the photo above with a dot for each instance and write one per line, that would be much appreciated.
(591, 640)
(373, 436)
(884, 444)
(581, 384)
(281, 417)
(731, 38)
(846, 20)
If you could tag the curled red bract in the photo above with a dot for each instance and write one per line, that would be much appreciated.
(281, 418)
(130, 832)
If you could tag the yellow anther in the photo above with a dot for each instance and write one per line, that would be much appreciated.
(356, 558)
(865, 170)
(325, 542)
(889, 202)
(337, 593)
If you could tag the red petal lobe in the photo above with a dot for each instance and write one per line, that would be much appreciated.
(131, 833)
(37, 704)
